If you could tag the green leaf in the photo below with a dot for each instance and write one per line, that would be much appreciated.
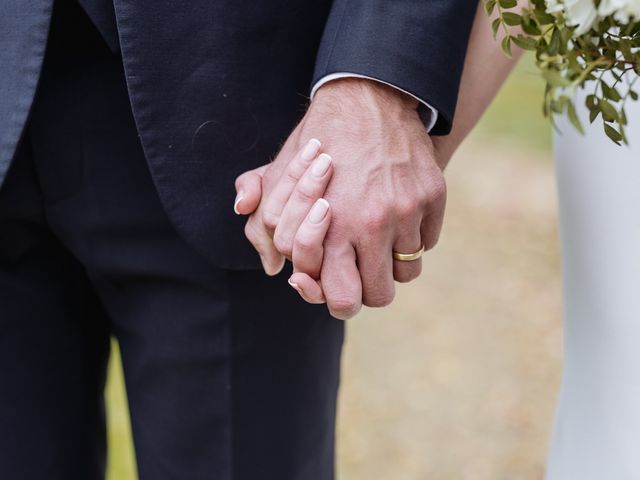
(555, 79)
(506, 45)
(511, 19)
(573, 118)
(554, 44)
(525, 43)
(593, 114)
(591, 102)
(565, 35)
(489, 6)
(543, 17)
(508, 3)
(610, 92)
(529, 27)
(609, 111)
(612, 133)
(495, 25)
(623, 119)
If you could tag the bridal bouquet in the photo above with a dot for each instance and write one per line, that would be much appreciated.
(591, 44)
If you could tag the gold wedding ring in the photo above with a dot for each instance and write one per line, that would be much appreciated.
(408, 257)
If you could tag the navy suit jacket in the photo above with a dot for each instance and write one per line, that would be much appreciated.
(217, 85)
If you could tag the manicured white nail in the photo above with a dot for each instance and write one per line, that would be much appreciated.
(319, 211)
(321, 165)
(239, 198)
(295, 286)
(310, 150)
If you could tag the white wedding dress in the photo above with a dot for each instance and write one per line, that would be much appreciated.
(597, 430)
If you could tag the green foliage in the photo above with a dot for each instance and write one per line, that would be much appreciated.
(606, 59)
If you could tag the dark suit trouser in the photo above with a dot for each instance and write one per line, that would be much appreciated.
(228, 374)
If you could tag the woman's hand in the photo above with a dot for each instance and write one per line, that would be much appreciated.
(298, 205)
(308, 252)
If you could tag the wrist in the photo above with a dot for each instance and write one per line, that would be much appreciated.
(362, 92)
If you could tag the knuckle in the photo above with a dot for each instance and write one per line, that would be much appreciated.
(405, 208)
(432, 242)
(291, 176)
(343, 307)
(437, 190)
(304, 244)
(245, 178)
(382, 299)
(270, 219)
(282, 242)
(251, 233)
(271, 175)
(304, 193)
(376, 220)
(293, 173)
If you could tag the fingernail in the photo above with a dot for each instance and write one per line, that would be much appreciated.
(319, 211)
(311, 150)
(295, 286)
(321, 165)
(239, 198)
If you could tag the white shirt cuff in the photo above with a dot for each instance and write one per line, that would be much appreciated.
(433, 118)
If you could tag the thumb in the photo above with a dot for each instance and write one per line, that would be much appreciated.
(308, 288)
(249, 191)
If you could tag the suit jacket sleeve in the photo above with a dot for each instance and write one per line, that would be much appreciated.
(416, 45)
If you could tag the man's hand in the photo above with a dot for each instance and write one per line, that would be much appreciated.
(387, 192)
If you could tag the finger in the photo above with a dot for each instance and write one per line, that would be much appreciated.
(432, 226)
(375, 263)
(308, 243)
(272, 260)
(341, 281)
(408, 240)
(278, 197)
(433, 220)
(249, 191)
(308, 190)
(308, 288)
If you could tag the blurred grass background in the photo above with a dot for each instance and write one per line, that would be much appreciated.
(458, 378)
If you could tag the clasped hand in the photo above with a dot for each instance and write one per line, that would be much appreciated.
(356, 180)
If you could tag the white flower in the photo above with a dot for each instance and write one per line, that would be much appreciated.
(622, 10)
(579, 13)
(554, 6)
